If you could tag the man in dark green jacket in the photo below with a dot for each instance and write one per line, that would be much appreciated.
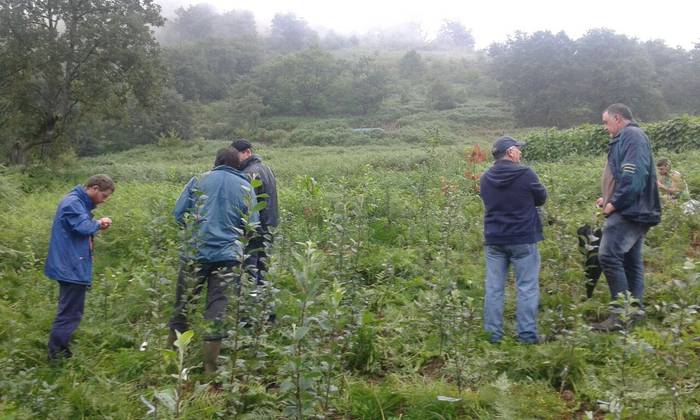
(631, 204)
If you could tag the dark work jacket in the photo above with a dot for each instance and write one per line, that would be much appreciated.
(636, 195)
(254, 168)
(511, 192)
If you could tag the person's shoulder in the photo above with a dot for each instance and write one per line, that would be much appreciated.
(71, 200)
(632, 131)
(530, 172)
(256, 165)
(238, 177)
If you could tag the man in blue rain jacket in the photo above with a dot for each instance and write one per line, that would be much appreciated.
(69, 259)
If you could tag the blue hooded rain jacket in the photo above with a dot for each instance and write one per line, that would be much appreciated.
(70, 257)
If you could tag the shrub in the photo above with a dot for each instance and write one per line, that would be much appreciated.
(676, 135)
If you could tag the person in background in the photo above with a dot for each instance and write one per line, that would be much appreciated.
(511, 193)
(631, 205)
(69, 260)
(670, 182)
(214, 202)
(252, 165)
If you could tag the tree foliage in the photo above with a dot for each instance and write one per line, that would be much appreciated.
(299, 83)
(536, 73)
(411, 64)
(64, 58)
(369, 85)
(453, 34)
(201, 22)
(290, 33)
(552, 80)
(613, 68)
(204, 71)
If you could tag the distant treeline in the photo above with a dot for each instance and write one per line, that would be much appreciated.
(553, 80)
(107, 81)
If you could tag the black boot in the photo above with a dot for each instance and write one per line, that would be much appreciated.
(611, 324)
(170, 344)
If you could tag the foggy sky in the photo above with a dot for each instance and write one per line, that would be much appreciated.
(674, 21)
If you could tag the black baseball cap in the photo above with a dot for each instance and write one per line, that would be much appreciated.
(241, 145)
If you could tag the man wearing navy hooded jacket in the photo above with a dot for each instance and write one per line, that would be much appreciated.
(511, 193)
(69, 259)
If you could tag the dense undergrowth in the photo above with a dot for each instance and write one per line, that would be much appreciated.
(677, 135)
(378, 270)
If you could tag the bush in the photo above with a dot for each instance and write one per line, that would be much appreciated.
(333, 136)
(676, 135)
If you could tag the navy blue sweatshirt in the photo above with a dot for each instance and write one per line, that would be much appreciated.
(511, 192)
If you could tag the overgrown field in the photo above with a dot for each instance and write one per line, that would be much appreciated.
(378, 273)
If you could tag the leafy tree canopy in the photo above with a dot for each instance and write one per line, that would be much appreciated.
(290, 33)
(453, 34)
(62, 58)
(202, 22)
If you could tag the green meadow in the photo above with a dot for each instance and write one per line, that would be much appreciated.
(377, 271)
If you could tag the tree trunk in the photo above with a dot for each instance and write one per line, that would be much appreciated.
(17, 154)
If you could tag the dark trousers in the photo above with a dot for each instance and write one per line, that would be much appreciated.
(191, 280)
(71, 304)
(257, 262)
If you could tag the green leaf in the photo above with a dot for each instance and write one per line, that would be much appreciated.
(300, 332)
(183, 339)
(259, 206)
(167, 397)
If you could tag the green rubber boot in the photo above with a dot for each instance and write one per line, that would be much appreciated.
(211, 354)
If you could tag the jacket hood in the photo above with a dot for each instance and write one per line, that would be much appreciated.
(79, 191)
(231, 170)
(504, 172)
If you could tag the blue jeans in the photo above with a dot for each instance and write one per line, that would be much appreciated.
(620, 256)
(71, 304)
(525, 259)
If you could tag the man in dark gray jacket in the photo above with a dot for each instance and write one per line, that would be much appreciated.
(631, 204)
(254, 168)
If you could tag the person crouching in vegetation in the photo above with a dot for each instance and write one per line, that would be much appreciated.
(511, 193)
(210, 207)
(69, 259)
(670, 182)
(631, 205)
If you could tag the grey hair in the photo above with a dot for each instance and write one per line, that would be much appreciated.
(621, 110)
